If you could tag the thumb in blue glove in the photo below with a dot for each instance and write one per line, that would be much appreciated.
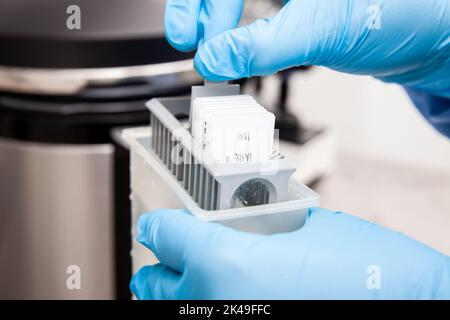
(402, 41)
(334, 256)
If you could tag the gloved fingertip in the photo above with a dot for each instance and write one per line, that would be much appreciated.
(133, 286)
(149, 225)
(141, 227)
(205, 72)
(180, 41)
(218, 59)
(201, 64)
(139, 283)
(180, 26)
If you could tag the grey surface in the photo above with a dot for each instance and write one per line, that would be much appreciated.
(55, 211)
(105, 19)
(404, 198)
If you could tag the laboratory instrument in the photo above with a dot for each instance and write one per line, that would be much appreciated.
(64, 190)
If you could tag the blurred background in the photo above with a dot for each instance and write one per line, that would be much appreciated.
(66, 92)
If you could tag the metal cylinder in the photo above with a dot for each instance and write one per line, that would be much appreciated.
(56, 221)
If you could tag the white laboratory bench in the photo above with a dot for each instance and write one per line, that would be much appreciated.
(404, 198)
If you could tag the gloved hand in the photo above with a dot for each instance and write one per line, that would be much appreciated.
(402, 41)
(334, 255)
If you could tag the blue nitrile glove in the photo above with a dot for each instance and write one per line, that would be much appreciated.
(402, 41)
(334, 255)
(435, 109)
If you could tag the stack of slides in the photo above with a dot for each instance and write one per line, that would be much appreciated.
(233, 129)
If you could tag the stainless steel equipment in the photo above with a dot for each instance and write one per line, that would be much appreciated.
(64, 189)
(56, 211)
